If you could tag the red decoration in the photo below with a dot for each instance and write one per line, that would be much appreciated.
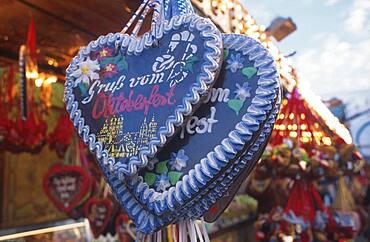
(31, 39)
(304, 200)
(297, 121)
(26, 135)
(61, 137)
(67, 186)
(98, 212)
(123, 228)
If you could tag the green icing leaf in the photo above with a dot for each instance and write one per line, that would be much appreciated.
(249, 71)
(149, 178)
(161, 167)
(83, 88)
(192, 59)
(188, 67)
(226, 53)
(122, 64)
(235, 104)
(174, 177)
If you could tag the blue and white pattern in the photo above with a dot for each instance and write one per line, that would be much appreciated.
(175, 203)
(162, 183)
(235, 63)
(178, 160)
(195, 193)
(212, 56)
(243, 92)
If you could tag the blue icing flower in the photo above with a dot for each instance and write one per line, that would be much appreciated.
(235, 63)
(162, 182)
(178, 161)
(243, 92)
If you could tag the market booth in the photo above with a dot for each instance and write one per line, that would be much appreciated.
(53, 188)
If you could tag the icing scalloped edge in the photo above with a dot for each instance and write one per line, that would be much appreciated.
(268, 86)
(205, 80)
(225, 180)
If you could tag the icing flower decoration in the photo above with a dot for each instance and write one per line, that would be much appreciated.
(87, 71)
(162, 182)
(105, 52)
(243, 92)
(110, 70)
(178, 161)
(235, 63)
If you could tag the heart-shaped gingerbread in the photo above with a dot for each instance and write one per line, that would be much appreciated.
(98, 212)
(125, 228)
(240, 171)
(126, 95)
(185, 179)
(67, 186)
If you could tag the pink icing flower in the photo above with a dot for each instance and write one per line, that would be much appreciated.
(110, 70)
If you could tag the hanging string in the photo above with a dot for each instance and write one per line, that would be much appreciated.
(204, 230)
(134, 17)
(148, 8)
(141, 13)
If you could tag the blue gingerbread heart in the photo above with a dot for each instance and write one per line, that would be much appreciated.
(127, 95)
(187, 175)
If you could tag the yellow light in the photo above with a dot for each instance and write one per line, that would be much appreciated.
(223, 7)
(32, 74)
(289, 126)
(303, 116)
(281, 116)
(39, 82)
(293, 134)
(326, 140)
(230, 4)
(303, 164)
(291, 116)
(288, 238)
(51, 79)
(305, 139)
(295, 127)
(303, 126)
(282, 127)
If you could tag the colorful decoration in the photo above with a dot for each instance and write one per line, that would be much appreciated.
(203, 129)
(98, 212)
(125, 228)
(67, 186)
(181, 182)
(161, 90)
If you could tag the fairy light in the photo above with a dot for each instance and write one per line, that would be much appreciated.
(45, 79)
(33, 74)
